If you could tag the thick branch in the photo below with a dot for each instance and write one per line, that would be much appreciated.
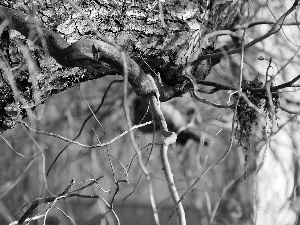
(88, 54)
(96, 56)
(150, 51)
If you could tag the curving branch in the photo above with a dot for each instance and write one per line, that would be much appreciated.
(67, 193)
(99, 57)
(154, 57)
(88, 54)
(96, 56)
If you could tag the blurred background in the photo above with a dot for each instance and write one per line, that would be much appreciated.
(257, 186)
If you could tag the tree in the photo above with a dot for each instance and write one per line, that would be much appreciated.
(163, 49)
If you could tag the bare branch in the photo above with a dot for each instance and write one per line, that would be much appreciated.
(222, 87)
(275, 28)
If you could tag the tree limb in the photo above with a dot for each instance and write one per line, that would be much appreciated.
(96, 56)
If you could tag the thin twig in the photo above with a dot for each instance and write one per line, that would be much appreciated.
(171, 184)
(231, 136)
(107, 150)
(53, 199)
(249, 25)
(227, 186)
(134, 144)
(83, 145)
(94, 181)
(194, 88)
(288, 62)
(170, 138)
(11, 148)
(221, 87)
(275, 28)
(152, 145)
(18, 180)
(83, 124)
(111, 156)
(270, 98)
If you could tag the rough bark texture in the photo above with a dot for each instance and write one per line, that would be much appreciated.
(158, 45)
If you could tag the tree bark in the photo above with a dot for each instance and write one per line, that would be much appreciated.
(158, 43)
